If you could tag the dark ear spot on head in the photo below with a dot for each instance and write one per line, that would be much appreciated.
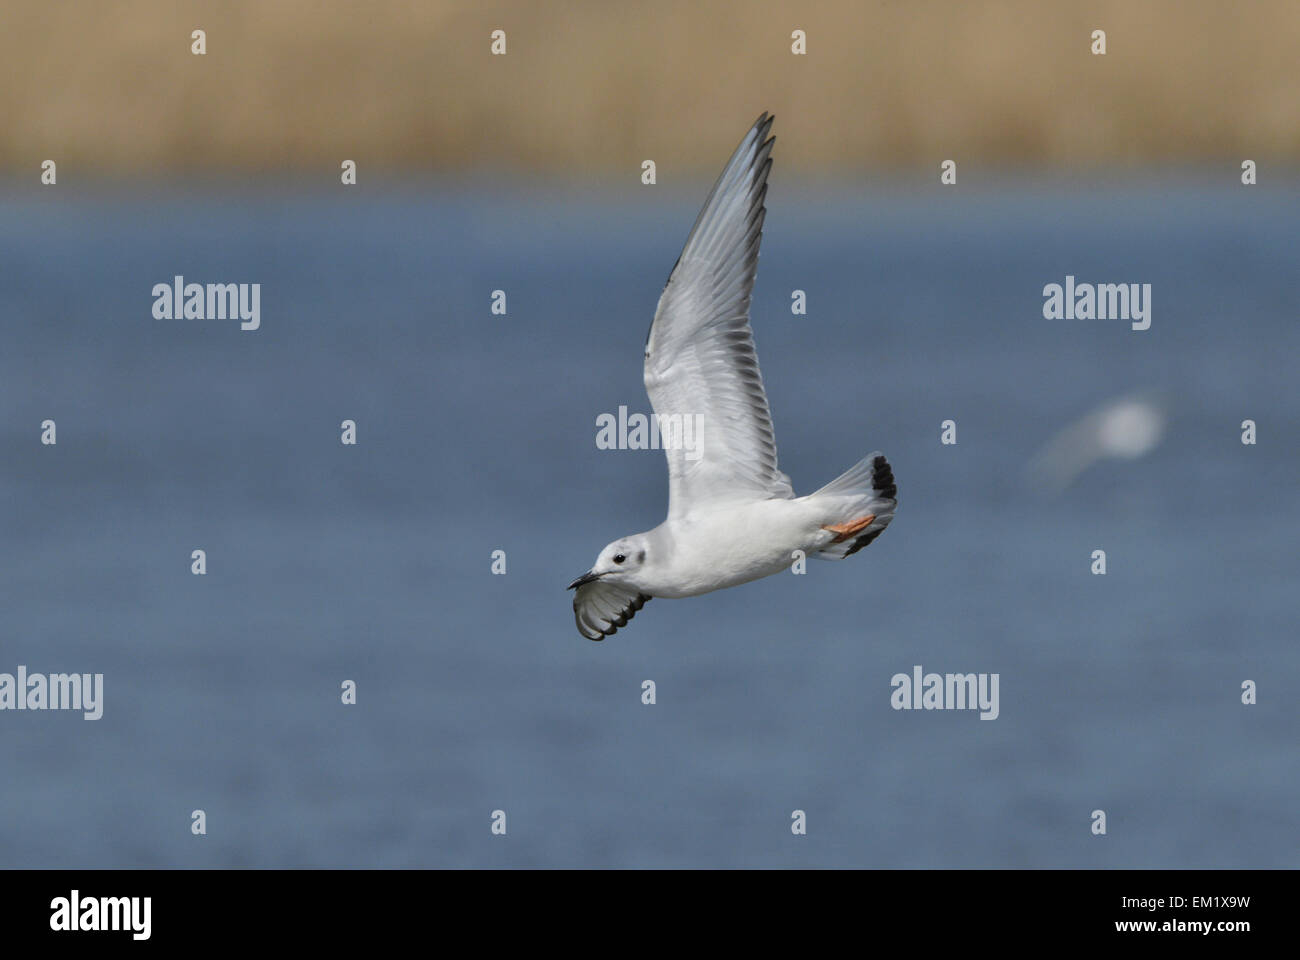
(640, 557)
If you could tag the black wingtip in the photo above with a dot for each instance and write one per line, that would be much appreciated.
(882, 479)
(863, 541)
(621, 621)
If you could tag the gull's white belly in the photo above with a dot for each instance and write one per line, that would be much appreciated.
(737, 544)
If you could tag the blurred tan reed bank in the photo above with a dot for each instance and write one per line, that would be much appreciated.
(592, 88)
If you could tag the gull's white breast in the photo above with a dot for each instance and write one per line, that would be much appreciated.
(737, 543)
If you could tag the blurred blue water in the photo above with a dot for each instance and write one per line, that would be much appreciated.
(476, 432)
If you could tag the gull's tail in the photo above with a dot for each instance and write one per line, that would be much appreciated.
(866, 489)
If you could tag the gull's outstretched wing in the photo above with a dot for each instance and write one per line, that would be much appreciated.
(700, 363)
(601, 607)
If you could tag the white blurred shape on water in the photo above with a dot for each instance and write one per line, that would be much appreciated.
(1125, 429)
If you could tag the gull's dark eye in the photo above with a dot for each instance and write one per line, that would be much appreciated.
(619, 558)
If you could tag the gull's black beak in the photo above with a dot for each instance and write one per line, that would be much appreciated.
(585, 578)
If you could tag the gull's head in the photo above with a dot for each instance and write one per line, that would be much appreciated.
(619, 562)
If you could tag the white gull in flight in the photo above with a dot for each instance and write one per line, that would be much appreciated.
(732, 515)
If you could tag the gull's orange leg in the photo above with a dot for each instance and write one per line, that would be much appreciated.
(843, 531)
